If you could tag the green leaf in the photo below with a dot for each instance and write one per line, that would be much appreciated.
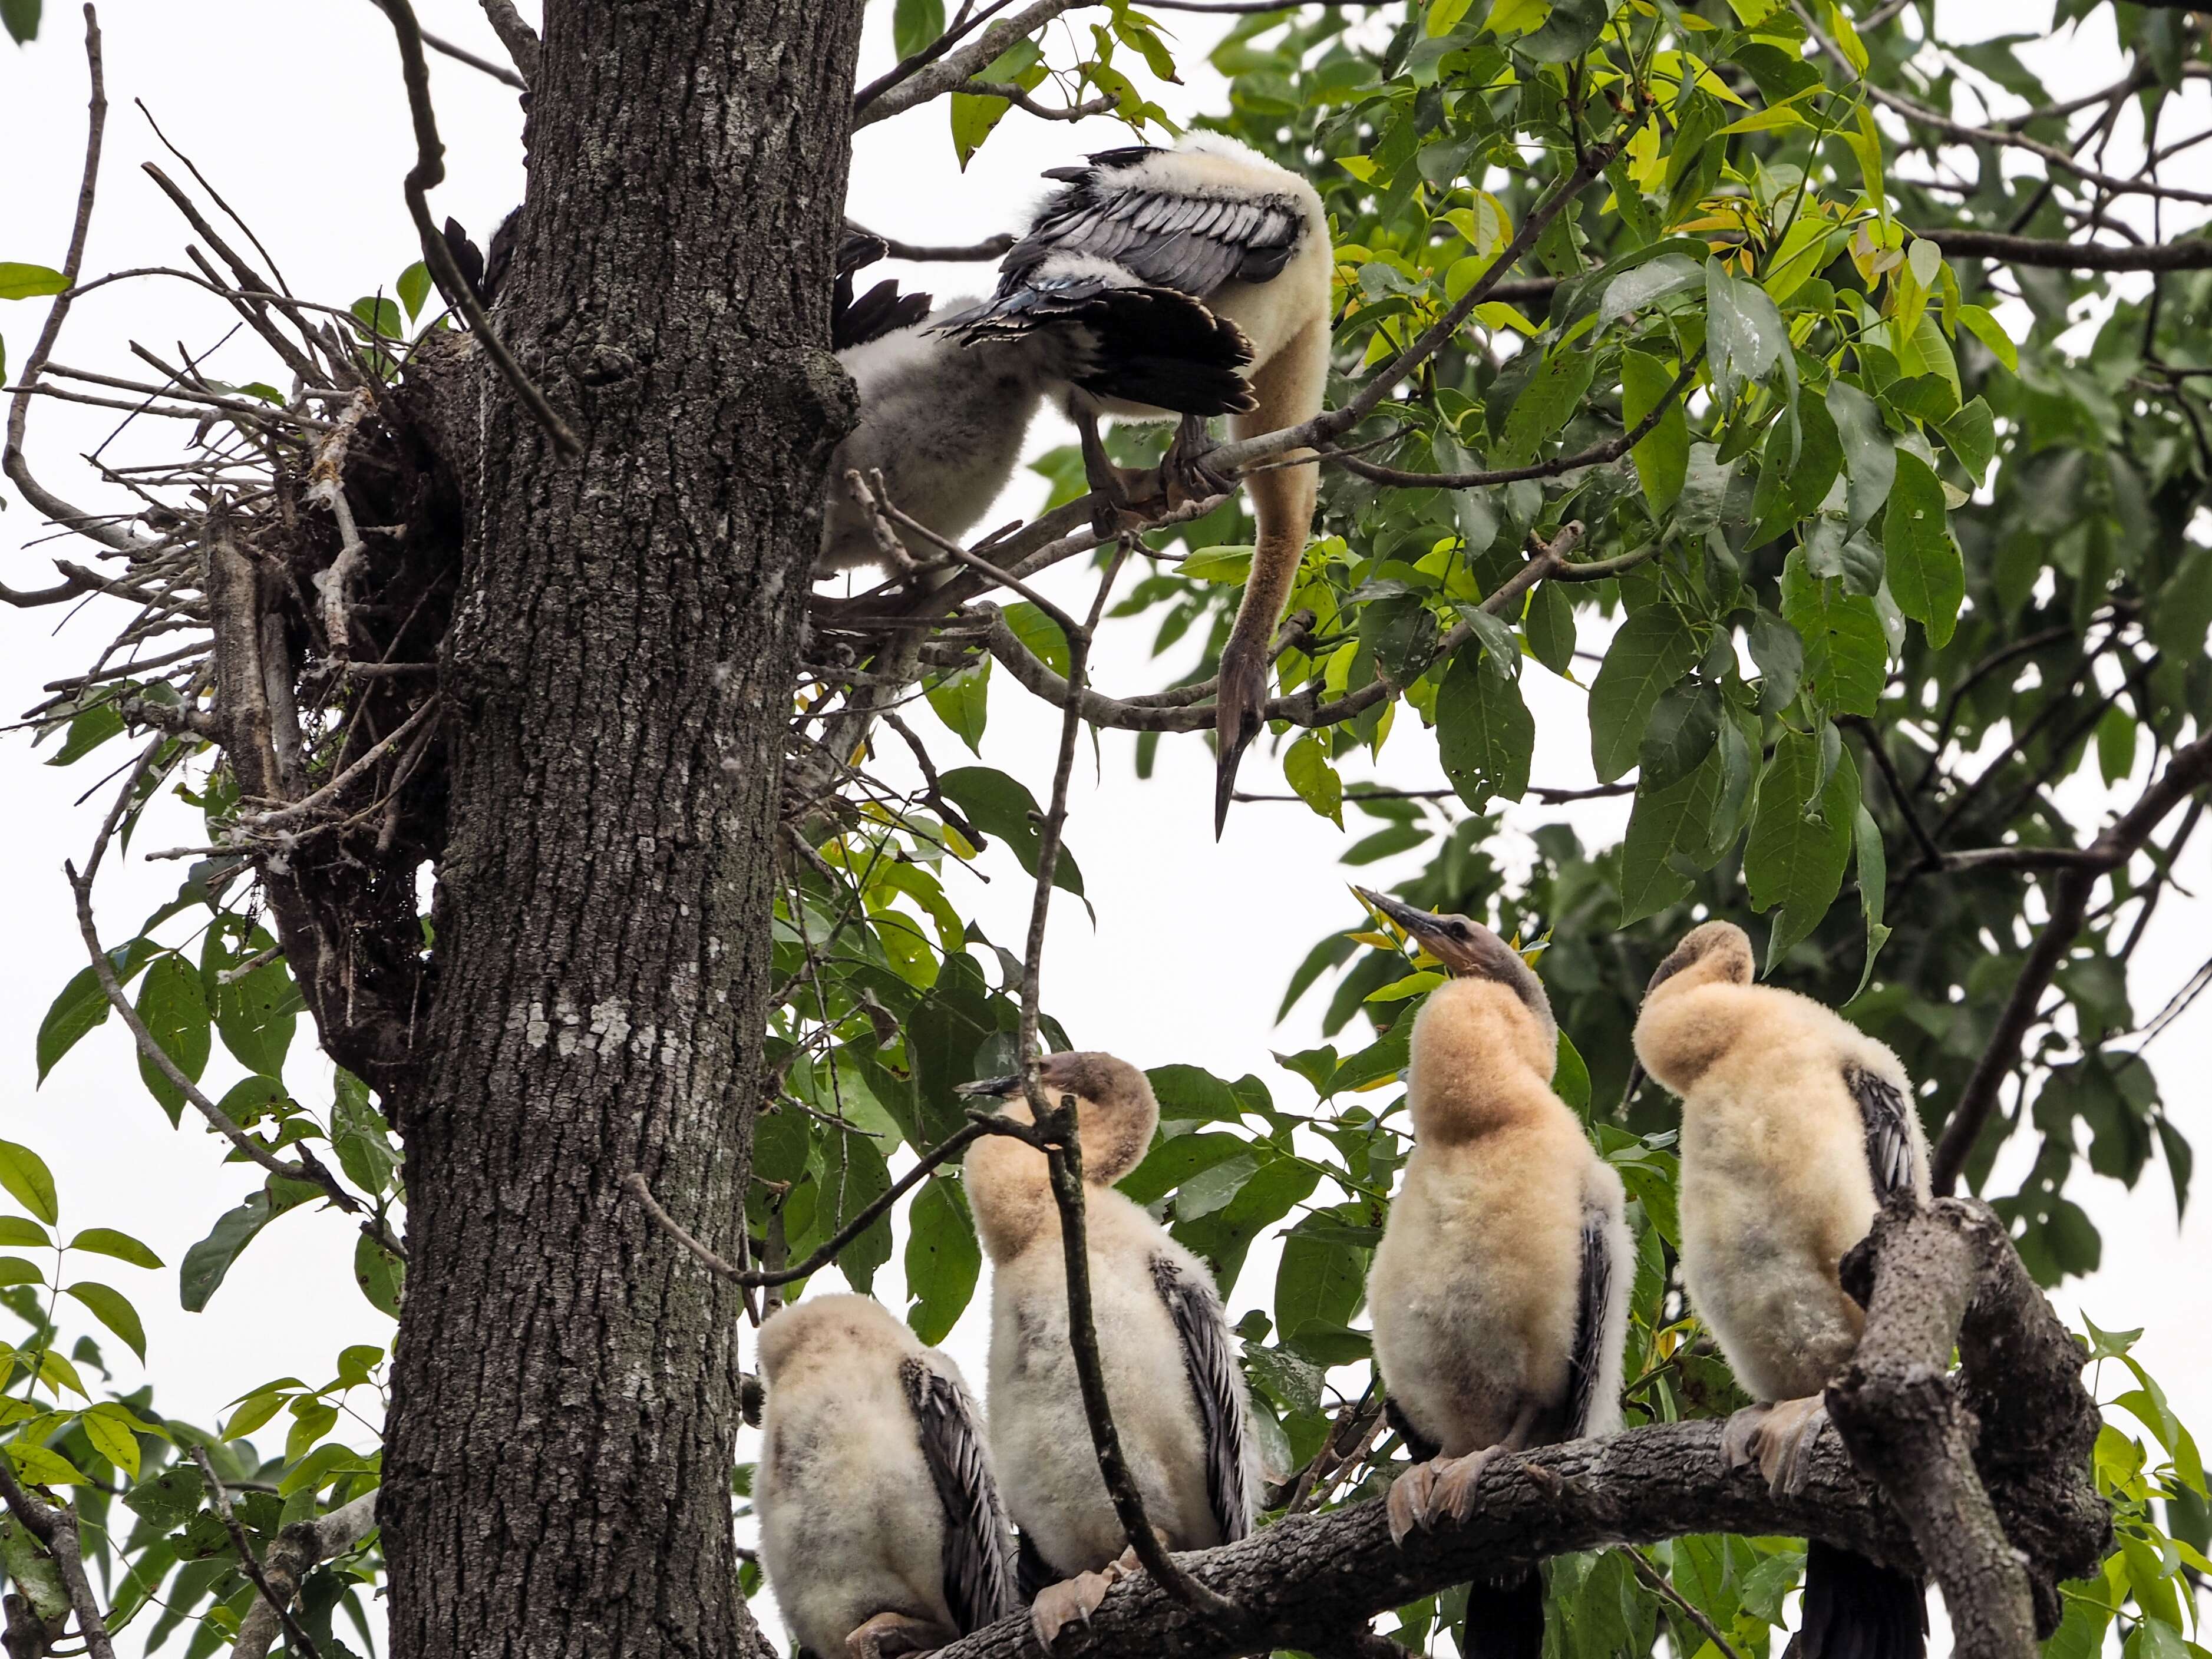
(382, 1276)
(1557, 388)
(961, 701)
(1550, 627)
(111, 1309)
(1800, 839)
(22, 1230)
(1744, 336)
(1986, 329)
(28, 1564)
(1317, 1282)
(20, 281)
(1571, 1079)
(26, 1178)
(1486, 735)
(253, 1411)
(1178, 1159)
(42, 1465)
(14, 1270)
(169, 1499)
(1639, 285)
(942, 1259)
(1654, 648)
(2183, 611)
(853, 1176)
(207, 1261)
(1927, 577)
(1192, 1094)
(1663, 455)
(1682, 730)
(974, 118)
(915, 24)
(413, 287)
(106, 1241)
(1568, 33)
(256, 1013)
(1306, 768)
(1779, 652)
(1971, 436)
(1661, 823)
(1846, 653)
(2115, 744)
(361, 1138)
(999, 806)
(174, 1008)
(1873, 883)
(87, 732)
(1869, 458)
(1040, 634)
(83, 1003)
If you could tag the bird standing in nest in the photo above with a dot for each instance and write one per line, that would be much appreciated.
(1796, 1128)
(1183, 284)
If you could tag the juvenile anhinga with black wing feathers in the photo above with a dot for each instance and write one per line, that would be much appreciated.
(1796, 1127)
(1192, 282)
(881, 1529)
(1172, 1380)
(1499, 1292)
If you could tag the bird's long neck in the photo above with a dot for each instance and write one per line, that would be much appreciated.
(1287, 389)
(1681, 1030)
(1010, 1183)
(1475, 1068)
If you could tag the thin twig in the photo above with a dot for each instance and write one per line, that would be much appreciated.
(55, 1525)
(300, 1641)
(428, 173)
(1655, 1580)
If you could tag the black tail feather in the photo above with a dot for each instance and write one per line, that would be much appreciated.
(1856, 1610)
(1141, 345)
(1504, 1622)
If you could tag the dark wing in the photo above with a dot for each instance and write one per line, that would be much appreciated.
(1587, 1363)
(1032, 1572)
(1882, 1110)
(881, 309)
(978, 1542)
(1418, 1446)
(1193, 242)
(1219, 1386)
(1149, 346)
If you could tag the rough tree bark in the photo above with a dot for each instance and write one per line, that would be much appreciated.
(565, 1399)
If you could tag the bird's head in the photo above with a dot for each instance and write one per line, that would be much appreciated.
(824, 1330)
(1115, 1111)
(1472, 952)
(1711, 953)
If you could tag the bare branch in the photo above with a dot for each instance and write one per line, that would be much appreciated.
(1660, 1584)
(953, 69)
(1020, 100)
(2189, 770)
(2190, 253)
(516, 36)
(428, 173)
(950, 1148)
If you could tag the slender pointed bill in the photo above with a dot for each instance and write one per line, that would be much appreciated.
(990, 1088)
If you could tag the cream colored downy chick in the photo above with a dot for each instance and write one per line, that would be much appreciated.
(1499, 1292)
(882, 1532)
(1170, 1360)
(1796, 1128)
(1189, 281)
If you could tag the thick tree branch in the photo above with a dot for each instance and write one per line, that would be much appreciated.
(951, 71)
(990, 247)
(297, 1550)
(55, 1525)
(516, 36)
(2189, 253)
(296, 1638)
(2189, 770)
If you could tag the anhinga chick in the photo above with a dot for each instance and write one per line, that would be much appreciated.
(1164, 1347)
(882, 1532)
(1191, 282)
(1796, 1128)
(1499, 1291)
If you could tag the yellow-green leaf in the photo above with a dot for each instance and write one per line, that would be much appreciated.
(25, 1174)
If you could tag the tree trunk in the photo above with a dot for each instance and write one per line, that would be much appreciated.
(565, 1396)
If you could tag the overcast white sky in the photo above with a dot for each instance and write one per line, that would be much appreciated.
(294, 113)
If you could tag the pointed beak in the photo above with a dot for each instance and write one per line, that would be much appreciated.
(991, 1088)
(1635, 1075)
(1239, 711)
(1422, 925)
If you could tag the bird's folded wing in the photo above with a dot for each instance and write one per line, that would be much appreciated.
(1882, 1110)
(1600, 1285)
(1217, 1384)
(978, 1546)
(1195, 241)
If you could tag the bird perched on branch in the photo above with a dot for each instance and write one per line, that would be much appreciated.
(1796, 1128)
(882, 1532)
(1186, 283)
(1172, 1381)
(1499, 1292)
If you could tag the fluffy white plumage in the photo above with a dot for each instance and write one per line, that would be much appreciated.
(1777, 1180)
(853, 1523)
(1040, 1437)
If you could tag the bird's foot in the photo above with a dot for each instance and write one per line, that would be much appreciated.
(1057, 1606)
(1183, 476)
(891, 1634)
(1408, 1505)
(1779, 1438)
(1456, 1483)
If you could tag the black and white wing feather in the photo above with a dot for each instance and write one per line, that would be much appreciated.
(1586, 1365)
(1128, 206)
(1884, 1110)
(878, 312)
(1218, 1385)
(979, 1541)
